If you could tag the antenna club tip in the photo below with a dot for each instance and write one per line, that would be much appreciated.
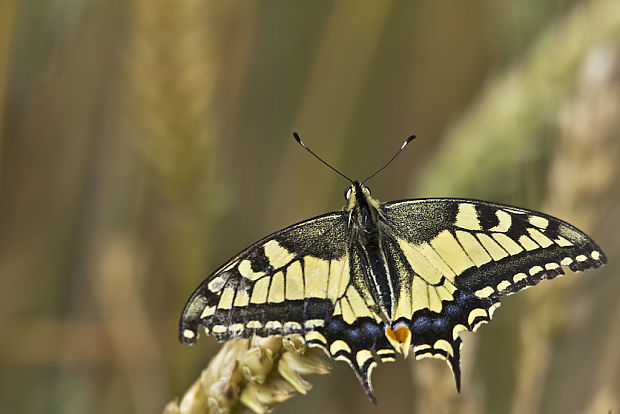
(407, 141)
(298, 139)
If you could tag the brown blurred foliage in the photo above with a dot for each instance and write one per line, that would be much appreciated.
(143, 143)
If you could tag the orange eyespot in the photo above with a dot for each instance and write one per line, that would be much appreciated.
(400, 333)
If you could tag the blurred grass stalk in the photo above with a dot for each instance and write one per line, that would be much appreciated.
(171, 85)
(168, 135)
(533, 106)
(7, 19)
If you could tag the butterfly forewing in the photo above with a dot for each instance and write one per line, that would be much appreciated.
(491, 249)
(286, 283)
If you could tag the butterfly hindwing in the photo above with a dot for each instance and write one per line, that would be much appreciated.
(428, 302)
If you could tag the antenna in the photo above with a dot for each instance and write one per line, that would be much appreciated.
(296, 136)
(407, 141)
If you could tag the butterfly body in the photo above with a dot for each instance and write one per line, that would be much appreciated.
(376, 279)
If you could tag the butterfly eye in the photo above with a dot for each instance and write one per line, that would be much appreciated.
(366, 190)
(348, 191)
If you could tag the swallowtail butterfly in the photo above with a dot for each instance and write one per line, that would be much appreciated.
(375, 279)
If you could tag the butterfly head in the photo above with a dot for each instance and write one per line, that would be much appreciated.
(354, 189)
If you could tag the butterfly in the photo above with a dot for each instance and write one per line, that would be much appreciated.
(376, 279)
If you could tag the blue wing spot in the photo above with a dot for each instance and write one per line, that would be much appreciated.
(371, 329)
(461, 298)
(422, 323)
(439, 324)
(354, 334)
(451, 310)
(336, 325)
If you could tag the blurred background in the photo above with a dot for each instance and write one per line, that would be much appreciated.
(143, 143)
